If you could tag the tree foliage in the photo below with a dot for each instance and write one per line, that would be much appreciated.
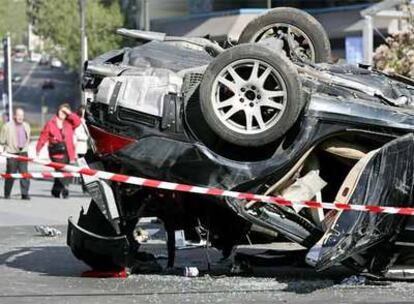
(13, 19)
(396, 56)
(58, 22)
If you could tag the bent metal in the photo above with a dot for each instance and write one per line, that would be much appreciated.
(266, 114)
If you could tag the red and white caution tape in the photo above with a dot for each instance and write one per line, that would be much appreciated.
(210, 191)
(39, 175)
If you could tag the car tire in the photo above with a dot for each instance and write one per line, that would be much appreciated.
(267, 117)
(293, 18)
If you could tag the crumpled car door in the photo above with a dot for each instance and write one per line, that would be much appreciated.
(365, 240)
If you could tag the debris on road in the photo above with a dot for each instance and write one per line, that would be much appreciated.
(47, 231)
(354, 280)
(141, 235)
(191, 272)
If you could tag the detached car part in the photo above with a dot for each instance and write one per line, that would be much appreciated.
(366, 240)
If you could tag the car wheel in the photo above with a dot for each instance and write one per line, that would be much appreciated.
(250, 96)
(303, 35)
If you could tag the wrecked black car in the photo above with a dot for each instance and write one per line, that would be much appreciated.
(266, 115)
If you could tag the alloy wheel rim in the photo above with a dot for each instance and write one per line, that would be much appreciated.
(302, 44)
(249, 96)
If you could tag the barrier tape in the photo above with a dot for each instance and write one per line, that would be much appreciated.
(40, 175)
(151, 183)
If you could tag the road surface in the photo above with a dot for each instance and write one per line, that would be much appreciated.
(36, 269)
(29, 93)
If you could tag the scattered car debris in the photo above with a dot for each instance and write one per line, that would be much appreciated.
(267, 116)
(141, 235)
(47, 231)
(354, 280)
(179, 239)
(191, 272)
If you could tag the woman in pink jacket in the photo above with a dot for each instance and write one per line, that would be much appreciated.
(58, 133)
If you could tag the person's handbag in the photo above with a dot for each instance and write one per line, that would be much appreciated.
(57, 148)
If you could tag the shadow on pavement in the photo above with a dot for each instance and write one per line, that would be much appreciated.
(58, 261)
(307, 286)
(46, 260)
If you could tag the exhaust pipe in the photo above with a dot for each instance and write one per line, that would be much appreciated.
(104, 69)
(141, 35)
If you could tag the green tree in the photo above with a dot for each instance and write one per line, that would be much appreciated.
(13, 19)
(396, 56)
(58, 22)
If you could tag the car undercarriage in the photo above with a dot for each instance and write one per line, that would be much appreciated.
(269, 116)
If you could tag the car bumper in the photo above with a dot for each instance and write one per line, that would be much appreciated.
(97, 251)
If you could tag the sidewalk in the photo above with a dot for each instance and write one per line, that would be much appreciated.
(42, 209)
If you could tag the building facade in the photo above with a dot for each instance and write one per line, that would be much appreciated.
(225, 19)
(158, 9)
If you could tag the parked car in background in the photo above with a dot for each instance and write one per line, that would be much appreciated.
(19, 53)
(16, 78)
(35, 57)
(18, 59)
(56, 63)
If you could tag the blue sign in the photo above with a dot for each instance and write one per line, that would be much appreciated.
(354, 50)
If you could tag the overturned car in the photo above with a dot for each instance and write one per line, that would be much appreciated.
(269, 116)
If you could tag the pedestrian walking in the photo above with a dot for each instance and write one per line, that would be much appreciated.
(58, 132)
(15, 139)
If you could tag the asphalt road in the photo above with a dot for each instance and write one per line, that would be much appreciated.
(28, 93)
(36, 269)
